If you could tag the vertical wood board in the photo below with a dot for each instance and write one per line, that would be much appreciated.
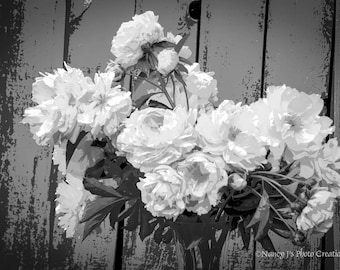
(33, 42)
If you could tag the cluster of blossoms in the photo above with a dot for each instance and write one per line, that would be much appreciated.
(187, 147)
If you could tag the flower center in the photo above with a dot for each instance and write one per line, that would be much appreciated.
(233, 132)
(293, 122)
(154, 122)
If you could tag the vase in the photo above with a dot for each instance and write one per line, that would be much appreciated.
(199, 245)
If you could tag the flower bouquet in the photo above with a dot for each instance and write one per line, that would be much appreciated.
(174, 162)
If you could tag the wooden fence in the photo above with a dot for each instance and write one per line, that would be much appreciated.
(250, 44)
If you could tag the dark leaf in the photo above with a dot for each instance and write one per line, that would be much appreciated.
(97, 170)
(141, 101)
(97, 188)
(137, 80)
(158, 235)
(284, 234)
(245, 234)
(84, 156)
(129, 208)
(113, 169)
(95, 221)
(186, 61)
(164, 44)
(261, 216)
(100, 205)
(147, 225)
(180, 44)
(168, 235)
(267, 244)
(71, 147)
(156, 104)
(115, 210)
(182, 68)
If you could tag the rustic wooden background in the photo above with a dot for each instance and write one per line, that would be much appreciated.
(248, 43)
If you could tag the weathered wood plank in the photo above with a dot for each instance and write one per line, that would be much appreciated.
(231, 40)
(89, 33)
(148, 254)
(298, 55)
(335, 114)
(32, 41)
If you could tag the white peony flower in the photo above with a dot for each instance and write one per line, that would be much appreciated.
(131, 36)
(71, 201)
(204, 176)
(201, 89)
(163, 192)
(185, 51)
(167, 60)
(201, 86)
(154, 136)
(237, 182)
(106, 107)
(296, 117)
(230, 131)
(318, 214)
(58, 95)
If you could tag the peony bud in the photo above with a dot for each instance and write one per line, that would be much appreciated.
(237, 182)
(167, 60)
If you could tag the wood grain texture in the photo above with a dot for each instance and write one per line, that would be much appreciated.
(334, 237)
(32, 41)
(231, 40)
(298, 55)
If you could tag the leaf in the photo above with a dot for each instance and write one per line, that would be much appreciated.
(164, 44)
(100, 205)
(282, 233)
(95, 187)
(180, 44)
(261, 215)
(84, 156)
(94, 222)
(291, 187)
(186, 61)
(182, 68)
(97, 170)
(156, 104)
(139, 79)
(267, 244)
(71, 147)
(245, 234)
(114, 213)
(140, 101)
(146, 227)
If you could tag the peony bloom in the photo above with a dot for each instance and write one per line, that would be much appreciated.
(237, 182)
(230, 131)
(201, 86)
(324, 164)
(71, 201)
(201, 89)
(53, 120)
(58, 95)
(296, 116)
(154, 136)
(167, 60)
(185, 51)
(318, 214)
(131, 36)
(163, 192)
(106, 107)
(204, 176)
